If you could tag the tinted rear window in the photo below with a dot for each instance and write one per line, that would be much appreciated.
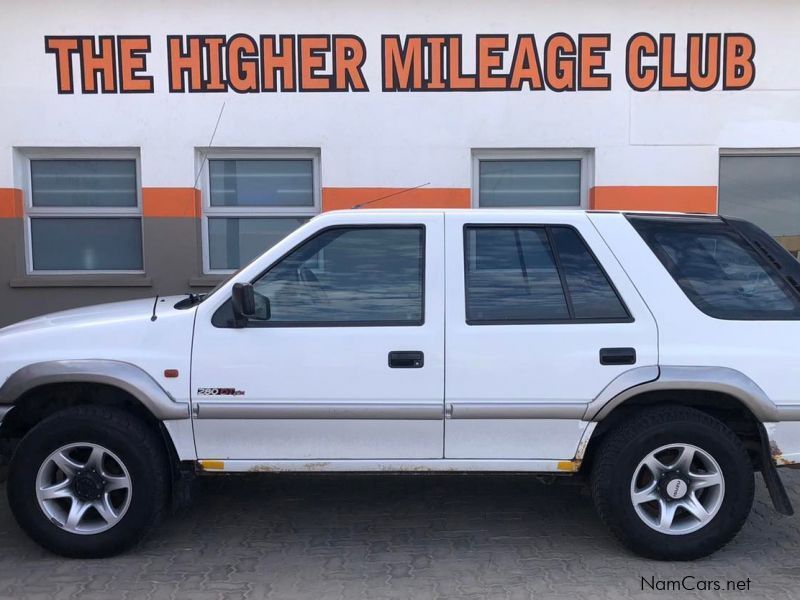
(512, 276)
(534, 274)
(718, 269)
(590, 290)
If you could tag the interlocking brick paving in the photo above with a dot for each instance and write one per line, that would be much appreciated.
(396, 536)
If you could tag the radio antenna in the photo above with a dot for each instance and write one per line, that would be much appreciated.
(210, 143)
(368, 202)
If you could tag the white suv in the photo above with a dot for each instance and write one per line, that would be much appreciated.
(654, 354)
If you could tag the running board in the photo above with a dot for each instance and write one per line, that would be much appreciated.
(387, 466)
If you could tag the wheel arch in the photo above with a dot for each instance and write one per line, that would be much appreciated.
(41, 389)
(134, 381)
(726, 394)
(723, 381)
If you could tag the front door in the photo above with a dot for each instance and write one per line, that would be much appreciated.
(349, 364)
(540, 318)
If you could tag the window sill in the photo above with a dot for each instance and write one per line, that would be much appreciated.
(206, 281)
(81, 281)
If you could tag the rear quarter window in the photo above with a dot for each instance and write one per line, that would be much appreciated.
(718, 269)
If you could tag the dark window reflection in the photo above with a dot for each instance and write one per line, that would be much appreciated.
(512, 276)
(591, 294)
(718, 271)
(356, 275)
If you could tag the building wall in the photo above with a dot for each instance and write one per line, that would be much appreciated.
(658, 149)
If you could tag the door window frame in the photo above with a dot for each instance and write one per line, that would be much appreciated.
(218, 317)
(571, 320)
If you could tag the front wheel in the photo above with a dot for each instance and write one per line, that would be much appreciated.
(88, 481)
(673, 483)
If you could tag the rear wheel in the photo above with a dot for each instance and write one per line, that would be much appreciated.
(673, 483)
(88, 481)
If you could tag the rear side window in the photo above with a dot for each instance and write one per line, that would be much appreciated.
(718, 269)
(535, 274)
(590, 291)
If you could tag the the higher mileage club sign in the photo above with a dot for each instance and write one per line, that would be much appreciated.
(241, 63)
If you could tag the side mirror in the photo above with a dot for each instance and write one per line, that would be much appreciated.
(248, 304)
(243, 302)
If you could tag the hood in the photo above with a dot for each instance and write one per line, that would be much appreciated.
(121, 331)
(99, 314)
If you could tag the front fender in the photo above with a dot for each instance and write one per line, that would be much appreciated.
(119, 374)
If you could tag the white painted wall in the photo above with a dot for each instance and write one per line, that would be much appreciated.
(401, 139)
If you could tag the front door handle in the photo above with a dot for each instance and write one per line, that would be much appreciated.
(617, 356)
(406, 359)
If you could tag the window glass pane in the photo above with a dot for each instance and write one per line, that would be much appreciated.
(510, 183)
(92, 244)
(261, 182)
(718, 270)
(363, 275)
(234, 242)
(590, 291)
(83, 183)
(766, 191)
(511, 276)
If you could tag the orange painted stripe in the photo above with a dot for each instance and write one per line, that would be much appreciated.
(11, 203)
(335, 198)
(678, 198)
(170, 202)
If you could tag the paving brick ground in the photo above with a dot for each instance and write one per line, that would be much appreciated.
(318, 537)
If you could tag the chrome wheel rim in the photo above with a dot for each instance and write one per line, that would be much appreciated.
(83, 488)
(677, 489)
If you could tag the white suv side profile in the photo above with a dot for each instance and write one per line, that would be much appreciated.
(654, 355)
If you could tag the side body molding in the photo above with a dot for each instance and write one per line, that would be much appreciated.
(125, 376)
(713, 379)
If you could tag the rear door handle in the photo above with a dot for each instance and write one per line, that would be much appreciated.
(617, 356)
(406, 359)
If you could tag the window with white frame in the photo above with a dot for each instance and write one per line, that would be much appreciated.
(763, 186)
(252, 201)
(530, 178)
(83, 213)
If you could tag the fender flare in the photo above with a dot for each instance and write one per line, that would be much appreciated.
(672, 378)
(119, 374)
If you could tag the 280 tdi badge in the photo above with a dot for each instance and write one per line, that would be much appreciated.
(219, 392)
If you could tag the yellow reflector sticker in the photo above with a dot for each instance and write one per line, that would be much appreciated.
(212, 465)
(567, 465)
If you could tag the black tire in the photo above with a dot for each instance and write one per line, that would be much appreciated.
(138, 447)
(617, 461)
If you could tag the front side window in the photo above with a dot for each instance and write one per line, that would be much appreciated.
(84, 216)
(719, 271)
(254, 203)
(346, 276)
(535, 274)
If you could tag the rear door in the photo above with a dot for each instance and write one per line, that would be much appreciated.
(540, 318)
